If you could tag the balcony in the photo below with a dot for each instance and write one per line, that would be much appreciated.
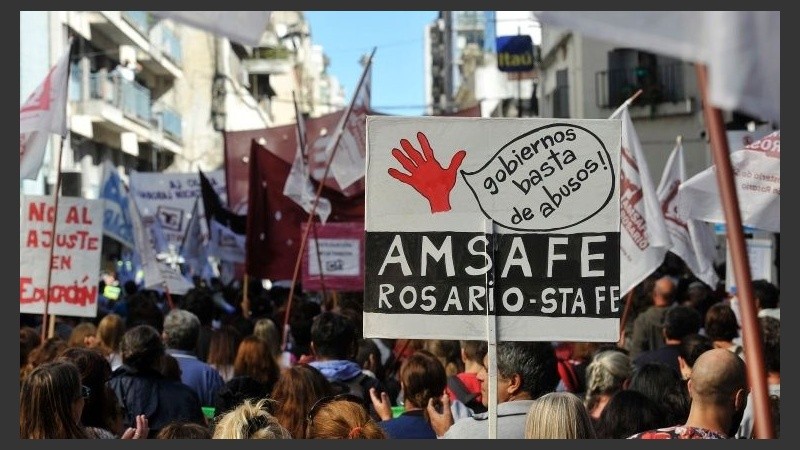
(114, 106)
(269, 61)
(662, 88)
(139, 20)
(171, 46)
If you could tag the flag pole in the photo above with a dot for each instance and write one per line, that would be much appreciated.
(624, 320)
(751, 332)
(626, 103)
(316, 201)
(52, 247)
(319, 262)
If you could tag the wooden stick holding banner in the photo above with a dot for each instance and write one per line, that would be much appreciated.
(319, 264)
(56, 188)
(491, 337)
(624, 320)
(304, 239)
(751, 331)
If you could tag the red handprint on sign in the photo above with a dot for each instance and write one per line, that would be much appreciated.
(427, 176)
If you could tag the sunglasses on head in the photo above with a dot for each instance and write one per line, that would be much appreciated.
(330, 399)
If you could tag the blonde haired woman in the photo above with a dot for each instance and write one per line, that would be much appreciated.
(558, 415)
(250, 421)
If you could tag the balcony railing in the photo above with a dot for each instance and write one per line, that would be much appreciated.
(171, 123)
(659, 85)
(133, 99)
(139, 20)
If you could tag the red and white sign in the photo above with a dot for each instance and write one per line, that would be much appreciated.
(75, 263)
(757, 175)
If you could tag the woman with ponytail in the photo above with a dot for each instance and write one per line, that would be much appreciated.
(342, 417)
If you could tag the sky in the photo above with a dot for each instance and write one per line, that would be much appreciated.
(398, 65)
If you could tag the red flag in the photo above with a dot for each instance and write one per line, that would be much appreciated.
(274, 221)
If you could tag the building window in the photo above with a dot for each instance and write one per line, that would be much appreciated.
(659, 77)
(561, 95)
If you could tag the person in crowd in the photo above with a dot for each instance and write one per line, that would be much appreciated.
(109, 335)
(333, 344)
(83, 335)
(250, 420)
(181, 330)
(699, 297)
(200, 302)
(142, 389)
(222, 350)
(771, 349)
(169, 367)
(102, 413)
(369, 358)
(718, 389)
(51, 403)
(641, 300)
(422, 379)
(647, 331)
(723, 329)
(525, 372)
(341, 416)
(142, 309)
(45, 352)
(558, 415)
(605, 376)
(448, 352)
(465, 386)
(627, 413)
(679, 321)
(297, 390)
(255, 373)
(767, 297)
(266, 330)
(184, 430)
(663, 385)
(29, 339)
(690, 348)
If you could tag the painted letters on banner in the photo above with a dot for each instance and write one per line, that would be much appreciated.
(76, 256)
(341, 250)
(517, 218)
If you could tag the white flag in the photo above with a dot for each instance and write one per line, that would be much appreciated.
(692, 240)
(298, 185)
(244, 27)
(757, 176)
(740, 48)
(349, 162)
(193, 249)
(157, 274)
(225, 244)
(44, 112)
(644, 239)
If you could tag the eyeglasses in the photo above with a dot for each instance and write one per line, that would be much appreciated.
(85, 391)
(330, 399)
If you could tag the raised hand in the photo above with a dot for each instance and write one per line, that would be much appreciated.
(441, 418)
(141, 430)
(381, 405)
(426, 175)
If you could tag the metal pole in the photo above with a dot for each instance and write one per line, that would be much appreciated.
(751, 332)
(52, 247)
(491, 336)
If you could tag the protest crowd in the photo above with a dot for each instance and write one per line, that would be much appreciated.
(144, 370)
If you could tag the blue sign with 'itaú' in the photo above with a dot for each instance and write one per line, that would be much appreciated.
(514, 53)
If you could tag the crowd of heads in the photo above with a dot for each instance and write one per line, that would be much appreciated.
(191, 370)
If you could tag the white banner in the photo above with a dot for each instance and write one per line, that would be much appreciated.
(170, 198)
(692, 240)
(757, 175)
(340, 257)
(225, 244)
(44, 112)
(469, 217)
(76, 256)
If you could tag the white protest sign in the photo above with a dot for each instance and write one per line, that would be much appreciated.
(551, 187)
(76, 256)
(170, 197)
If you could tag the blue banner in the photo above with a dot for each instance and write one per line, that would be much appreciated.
(116, 218)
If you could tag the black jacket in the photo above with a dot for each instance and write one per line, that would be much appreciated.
(163, 401)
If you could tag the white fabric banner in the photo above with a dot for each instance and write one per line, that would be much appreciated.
(740, 48)
(298, 185)
(693, 240)
(44, 112)
(349, 162)
(244, 27)
(644, 239)
(757, 175)
(225, 244)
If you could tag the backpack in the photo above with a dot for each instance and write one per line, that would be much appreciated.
(359, 386)
(469, 399)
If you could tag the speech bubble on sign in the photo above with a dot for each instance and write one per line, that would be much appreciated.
(548, 179)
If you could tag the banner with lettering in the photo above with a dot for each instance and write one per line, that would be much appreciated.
(169, 197)
(469, 217)
(75, 263)
(339, 249)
